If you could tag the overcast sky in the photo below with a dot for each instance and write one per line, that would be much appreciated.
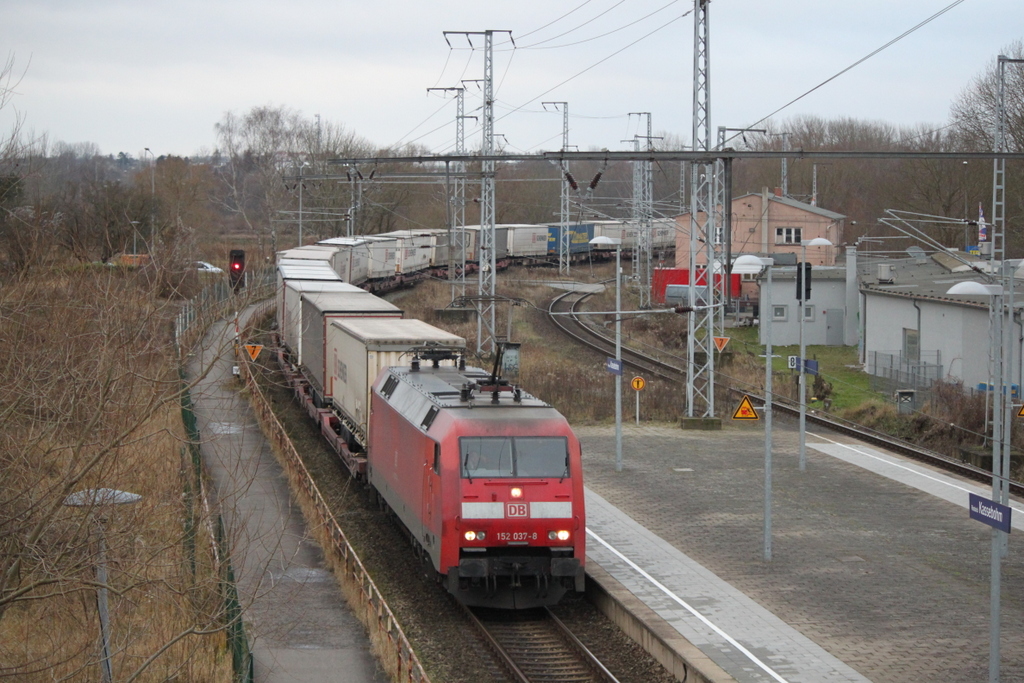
(127, 75)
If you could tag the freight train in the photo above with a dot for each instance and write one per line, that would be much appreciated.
(382, 262)
(485, 478)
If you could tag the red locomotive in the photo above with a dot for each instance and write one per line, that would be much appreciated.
(486, 478)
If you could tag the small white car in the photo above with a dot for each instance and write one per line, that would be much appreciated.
(204, 267)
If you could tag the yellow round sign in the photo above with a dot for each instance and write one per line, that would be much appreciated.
(638, 383)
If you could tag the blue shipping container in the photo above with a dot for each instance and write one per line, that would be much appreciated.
(580, 235)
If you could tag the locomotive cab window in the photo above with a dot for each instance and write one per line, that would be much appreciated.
(514, 456)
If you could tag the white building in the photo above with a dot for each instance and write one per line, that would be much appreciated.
(909, 324)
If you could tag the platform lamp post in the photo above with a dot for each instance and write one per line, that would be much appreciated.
(748, 264)
(802, 298)
(89, 498)
(1001, 427)
(605, 241)
(152, 208)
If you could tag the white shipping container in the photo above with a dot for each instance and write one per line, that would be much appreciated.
(383, 257)
(293, 270)
(289, 309)
(413, 250)
(353, 258)
(310, 252)
(359, 348)
(319, 310)
(500, 242)
(528, 240)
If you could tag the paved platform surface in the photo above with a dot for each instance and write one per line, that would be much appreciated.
(301, 628)
(878, 573)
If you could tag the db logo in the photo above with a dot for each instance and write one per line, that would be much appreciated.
(516, 510)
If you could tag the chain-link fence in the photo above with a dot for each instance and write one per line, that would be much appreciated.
(907, 382)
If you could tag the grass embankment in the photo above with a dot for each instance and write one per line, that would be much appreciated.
(89, 400)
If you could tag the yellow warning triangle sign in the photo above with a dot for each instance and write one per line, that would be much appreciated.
(745, 411)
(720, 342)
(1020, 413)
(254, 350)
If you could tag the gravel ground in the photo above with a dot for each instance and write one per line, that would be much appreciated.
(429, 615)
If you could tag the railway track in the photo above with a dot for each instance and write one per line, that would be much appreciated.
(573, 327)
(535, 646)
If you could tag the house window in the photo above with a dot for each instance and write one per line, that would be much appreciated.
(808, 313)
(748, 277)
(780, 312)
(787, 235)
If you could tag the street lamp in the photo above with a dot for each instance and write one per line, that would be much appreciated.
(816, 242)
(95, 498)
(152, 207)
(1001, 358)
(603, 240)
(747, 264)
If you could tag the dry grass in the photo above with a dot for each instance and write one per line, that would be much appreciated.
(89, 400)
(557, 370)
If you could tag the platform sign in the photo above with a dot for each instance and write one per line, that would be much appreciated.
(720, 343)
(638, 383)
(613, 366)
(990, 512)
(253, 350)
(745, 410)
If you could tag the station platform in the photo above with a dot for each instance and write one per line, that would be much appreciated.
(877, 572)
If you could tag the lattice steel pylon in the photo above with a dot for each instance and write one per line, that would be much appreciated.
(487, 256)
(457, 201)
(642, 216)
(700, 387)
(565, 237)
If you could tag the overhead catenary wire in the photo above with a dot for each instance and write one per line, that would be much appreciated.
(854, 65)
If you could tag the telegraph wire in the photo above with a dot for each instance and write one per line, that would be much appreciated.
(855, 64)
(576, 28)
(555, 21)
(535, 46)
(599, 62)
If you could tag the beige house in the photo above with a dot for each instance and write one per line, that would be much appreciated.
(769, 224)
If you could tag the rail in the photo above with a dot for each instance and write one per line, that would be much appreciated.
(537, 646)
(586, 335)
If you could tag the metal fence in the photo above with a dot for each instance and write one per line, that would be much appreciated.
(396, 653)
(907, 382)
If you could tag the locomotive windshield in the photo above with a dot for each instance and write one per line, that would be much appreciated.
(514, 456)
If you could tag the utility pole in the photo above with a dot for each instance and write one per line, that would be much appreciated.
(488, 264)
(564, 242)
(723, 206)
(700, 349)
(355, 186)
(642, 216)
(785, 165)
(1001, 364)
(457, 200)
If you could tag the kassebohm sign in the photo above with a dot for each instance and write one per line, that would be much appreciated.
(989, 512)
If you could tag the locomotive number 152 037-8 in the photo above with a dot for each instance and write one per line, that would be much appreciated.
(517, 535)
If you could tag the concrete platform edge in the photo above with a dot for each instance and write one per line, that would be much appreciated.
(638, 621)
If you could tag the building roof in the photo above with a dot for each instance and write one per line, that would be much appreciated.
(789, 201)
(928, 278)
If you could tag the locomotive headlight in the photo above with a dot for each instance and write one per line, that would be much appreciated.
(558, 535)
(516, 492)
(475, 535)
